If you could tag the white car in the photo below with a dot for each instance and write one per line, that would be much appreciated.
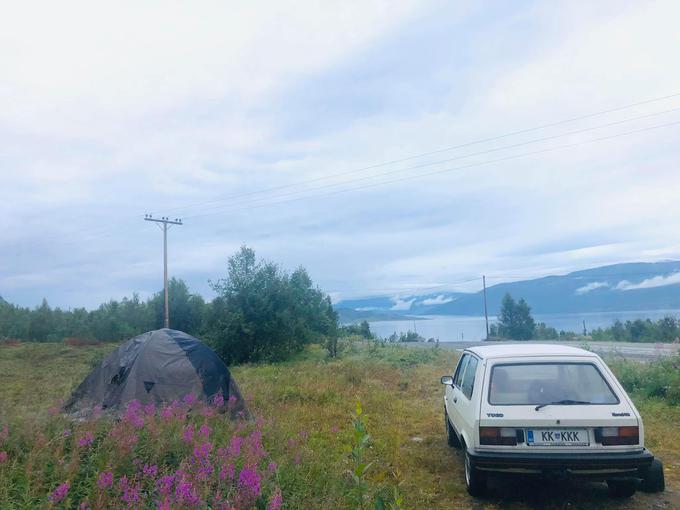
(548, 410)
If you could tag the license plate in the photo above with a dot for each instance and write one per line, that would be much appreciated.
(557, 437)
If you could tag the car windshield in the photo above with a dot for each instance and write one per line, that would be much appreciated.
(546, 383)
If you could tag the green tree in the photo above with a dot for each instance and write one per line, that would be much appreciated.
(515, 320)
(263, 313)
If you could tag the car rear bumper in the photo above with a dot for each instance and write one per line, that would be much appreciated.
(592, 465)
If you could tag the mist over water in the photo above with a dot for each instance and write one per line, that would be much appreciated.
(451, 328)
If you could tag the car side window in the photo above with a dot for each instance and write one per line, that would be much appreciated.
(469, 378)
(458, 378)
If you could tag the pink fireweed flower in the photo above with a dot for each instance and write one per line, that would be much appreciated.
(150, 409)
(105, 480)
(60, 492)
(167, 412)
(272, 467)
(86, 440)
(335, 429)
(188, 434)
(133, 414)
(218, 400)
(189, 399)
(204, 431)
(232, 399)
(151, 471)
(164, 504)
(202, 452)
(3, 457)
(165, 484)
(297, 459)
(185, 493)
(276, 501)
(227, 472)
(249, 481)
(234, 449)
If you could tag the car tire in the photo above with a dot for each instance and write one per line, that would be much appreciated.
(622, 488)
(451, 437)
(475, 480)
(653, 480)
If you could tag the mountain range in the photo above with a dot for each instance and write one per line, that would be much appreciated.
(618, 287)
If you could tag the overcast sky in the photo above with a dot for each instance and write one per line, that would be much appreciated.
(196, 109)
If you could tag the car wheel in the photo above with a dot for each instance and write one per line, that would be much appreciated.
(621, 488)
(475, 480)
(451, 437)
(654, 481)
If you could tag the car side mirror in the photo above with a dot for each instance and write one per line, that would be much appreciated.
(447, 379)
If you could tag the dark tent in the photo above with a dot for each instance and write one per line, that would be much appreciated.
(159, 366)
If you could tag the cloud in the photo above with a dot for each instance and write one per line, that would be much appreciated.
(107, 113)
(591, 286)
(402, 304)
(439, 300)
(650, 283)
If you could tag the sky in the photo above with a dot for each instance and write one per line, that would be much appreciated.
(388, 147)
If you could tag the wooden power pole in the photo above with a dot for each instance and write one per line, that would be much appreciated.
(486, 310)
(167, 223)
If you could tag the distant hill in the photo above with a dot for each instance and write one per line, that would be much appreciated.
(619, 287)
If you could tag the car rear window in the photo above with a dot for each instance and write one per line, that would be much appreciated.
(544, 383)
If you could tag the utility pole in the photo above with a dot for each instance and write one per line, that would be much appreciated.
(486, 310)
(167, 224)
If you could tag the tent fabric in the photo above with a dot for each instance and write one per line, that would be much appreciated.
(158, 366)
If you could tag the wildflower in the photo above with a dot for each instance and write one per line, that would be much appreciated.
(188, 434)
(204, 430)
(304, 435)
(86, 440)
(150, 409)
(227, 472)
(165, 483)
(234, 449)
(232, 399)
(3, 457)
(189, 399)
(132, 414)
(151, 471)
(272, 467)
(186, 493)
(297, 459)
(218, 400)
(249, 481)
(164, 504)
(276, 501)
(60, 492)
(203, 452)
(335, 429)
(105, 480)
(167, 412)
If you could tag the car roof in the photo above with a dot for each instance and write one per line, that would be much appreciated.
(524, 349)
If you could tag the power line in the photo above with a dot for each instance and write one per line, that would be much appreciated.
(447, 170)
(424, 165)
(100, 232)
(438, 151)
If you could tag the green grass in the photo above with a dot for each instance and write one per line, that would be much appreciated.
(308, 405)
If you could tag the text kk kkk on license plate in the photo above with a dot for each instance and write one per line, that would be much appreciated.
(557, 437)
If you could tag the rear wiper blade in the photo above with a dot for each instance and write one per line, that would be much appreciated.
(565, 402)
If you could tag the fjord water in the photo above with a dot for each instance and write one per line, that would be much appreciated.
(456, 328)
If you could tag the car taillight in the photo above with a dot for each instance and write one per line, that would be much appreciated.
(497, 436)
(615, 436)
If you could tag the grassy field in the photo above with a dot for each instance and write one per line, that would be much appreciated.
(307, 406)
